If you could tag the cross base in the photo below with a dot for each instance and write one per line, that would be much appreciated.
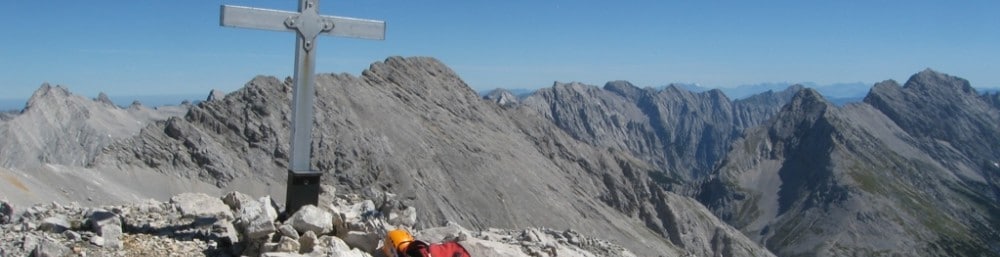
(303, 189)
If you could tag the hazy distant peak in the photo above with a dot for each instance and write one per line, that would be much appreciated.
(795, 88)
(103, 98)
(502, 97)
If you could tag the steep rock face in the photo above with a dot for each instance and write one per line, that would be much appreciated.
(993, 98)
(683, 134)
(822, 181)
(948, 119)
(58, 127)
(410, 124)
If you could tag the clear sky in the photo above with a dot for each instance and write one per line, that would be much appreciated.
(153, 47)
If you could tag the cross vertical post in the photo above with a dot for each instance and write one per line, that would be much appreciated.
(303, 182)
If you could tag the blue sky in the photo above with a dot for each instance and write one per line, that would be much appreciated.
(154, 47)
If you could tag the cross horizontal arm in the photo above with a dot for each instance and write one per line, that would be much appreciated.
(267, 19)
(254, 18)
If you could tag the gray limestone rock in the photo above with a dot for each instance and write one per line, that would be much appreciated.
(255, 218)
(194, 205)
(312, 218)
(97, 240)
(71, 235)
(56, 224)
(406, 217)
(6, 212)
(288, 245)
(107, 225)
(307, 242)
(289, 231)
(365, 241)
(49, 249)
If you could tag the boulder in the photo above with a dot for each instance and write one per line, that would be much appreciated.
(334, 246)
(406, 217)
(71, 235)
(257, 228)
(352, 217)
(55, 224)
(312, 218)
(106, 225)
(307, 242)
(6, 212)
(198, 205)
(289, 231)
(226, 232)
(255, 218)
(49, 249)
(97, 240)
(364, 241)
(288, 245)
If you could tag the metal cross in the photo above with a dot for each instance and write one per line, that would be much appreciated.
(303, 182)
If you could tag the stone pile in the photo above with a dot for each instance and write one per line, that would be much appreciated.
(236, 224)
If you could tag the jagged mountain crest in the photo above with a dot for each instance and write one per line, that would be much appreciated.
(59, 127)
(411, 125)
(681, 132)
(852, 170)
(934, 106)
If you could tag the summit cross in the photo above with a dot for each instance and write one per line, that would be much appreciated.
(303, 182)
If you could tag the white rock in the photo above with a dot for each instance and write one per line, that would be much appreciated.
(97, 240)
(406, 217)
(270, 207)
(289, 231)
(194, 205)
(288, 245)
(312, 218)
(364, 241)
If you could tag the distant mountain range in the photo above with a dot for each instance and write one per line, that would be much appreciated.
(912, 169)
(123, 101)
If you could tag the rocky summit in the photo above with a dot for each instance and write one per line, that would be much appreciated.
(570, 170)
(238, 225)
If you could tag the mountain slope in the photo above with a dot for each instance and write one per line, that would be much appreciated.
(58, 127)
(683, 134)
(864, 179)
(410, 125)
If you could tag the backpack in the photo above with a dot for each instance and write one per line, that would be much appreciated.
(445, 249)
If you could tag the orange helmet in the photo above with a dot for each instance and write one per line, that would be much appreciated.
(396, 241)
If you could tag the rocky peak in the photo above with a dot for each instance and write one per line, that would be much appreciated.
(623, 88)
(215, 94)
(502, 97)
(47, 95)
(103, 98)
(929, 81)
(936, 106)
(800, 115)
